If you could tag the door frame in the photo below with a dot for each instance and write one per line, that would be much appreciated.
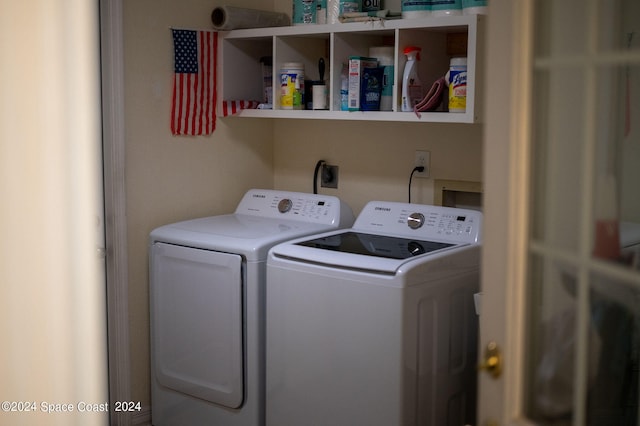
(113, 134)
(506, 176)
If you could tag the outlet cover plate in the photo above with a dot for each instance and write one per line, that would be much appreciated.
(329, 176)
(422, 158)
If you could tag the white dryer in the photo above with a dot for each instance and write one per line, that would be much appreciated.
(207, 287)
(375, 325)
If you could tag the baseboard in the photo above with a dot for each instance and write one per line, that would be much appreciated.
(142, 417)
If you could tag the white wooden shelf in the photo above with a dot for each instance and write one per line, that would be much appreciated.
(240, 71)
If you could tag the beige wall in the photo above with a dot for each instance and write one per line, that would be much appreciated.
(375, 159)
(174, 178)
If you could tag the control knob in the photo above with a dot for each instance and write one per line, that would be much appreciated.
(285, 205)
(415, 220)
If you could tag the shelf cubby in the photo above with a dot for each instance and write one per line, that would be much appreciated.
(240, 71)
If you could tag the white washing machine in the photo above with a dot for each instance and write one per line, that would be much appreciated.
(207, 287)
(375, 325)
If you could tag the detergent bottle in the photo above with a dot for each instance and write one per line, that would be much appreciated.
(411, 85)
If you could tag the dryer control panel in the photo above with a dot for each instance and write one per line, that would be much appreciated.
(325, 209)
(421, 221)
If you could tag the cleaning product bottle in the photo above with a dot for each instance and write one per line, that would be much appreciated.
(456, 79)
(411, 85)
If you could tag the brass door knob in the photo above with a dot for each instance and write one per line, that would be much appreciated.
(492, 362)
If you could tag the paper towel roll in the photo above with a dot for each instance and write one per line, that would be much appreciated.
(230, 18)
(319, 95)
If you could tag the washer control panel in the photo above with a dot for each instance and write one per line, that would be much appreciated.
(316, 208)
(421, 221)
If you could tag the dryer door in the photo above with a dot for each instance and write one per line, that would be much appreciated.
(196, 313)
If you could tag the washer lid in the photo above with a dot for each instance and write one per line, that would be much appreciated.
(361, 251)
(262, 219)
(250, 236)
(375, 245)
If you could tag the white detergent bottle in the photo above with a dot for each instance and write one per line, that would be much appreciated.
(411, 85)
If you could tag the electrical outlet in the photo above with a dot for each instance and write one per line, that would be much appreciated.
(422, 158)
(329, 176)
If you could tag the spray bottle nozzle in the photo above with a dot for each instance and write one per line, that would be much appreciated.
(412, 51)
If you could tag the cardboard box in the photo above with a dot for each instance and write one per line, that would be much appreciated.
(356, 65)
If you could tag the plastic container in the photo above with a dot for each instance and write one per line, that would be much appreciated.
(446, 7)
(475, 7)
(384, 55)
(356, 66)
(292, 85)
(411, 84)
(371, 5)
(416, 8)
(321, 12)
(457, 80)
(304, 12)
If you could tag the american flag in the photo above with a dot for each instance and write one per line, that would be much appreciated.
(194, 82)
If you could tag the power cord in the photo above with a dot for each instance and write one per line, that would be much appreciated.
(418, 169)
(315, 175)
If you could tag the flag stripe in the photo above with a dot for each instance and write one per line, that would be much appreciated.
(181, 101)
(214, 79)
(188, 104)
(204, 112)
(205, 86)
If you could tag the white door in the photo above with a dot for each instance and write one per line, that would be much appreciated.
(562, 176)
(52, 289)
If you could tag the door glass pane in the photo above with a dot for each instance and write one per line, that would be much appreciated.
(616, 201)
(551, 343)
(628, 153)
(612, 364)
(618, 25)
(583, 344)
(554, 38)
(614, 356)
(558, 152)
